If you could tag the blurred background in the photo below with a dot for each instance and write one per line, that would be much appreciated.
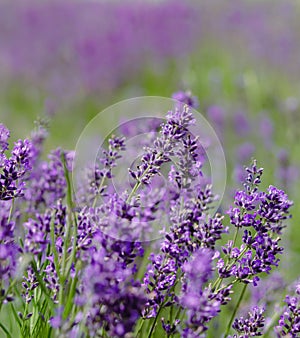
(66, 60)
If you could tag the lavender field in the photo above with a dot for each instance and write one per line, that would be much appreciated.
(149, 168)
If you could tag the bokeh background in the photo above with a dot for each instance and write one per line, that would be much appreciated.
(66, 60)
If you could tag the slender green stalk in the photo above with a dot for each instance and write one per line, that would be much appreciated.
(139, 182)
(53, 247)
(219, 279)
(171, 313)
(274, 319)
(154, 322)
(8, 335)
(69, 185)
(235, 236)
(11, 210)
(71, 220)
(143, 264)
(12, 285)
(99, 189)
(71, 293)
(140, 327)
(14, 312)
(39, 323)
(42, 284)
(133, 191)
(236, 309)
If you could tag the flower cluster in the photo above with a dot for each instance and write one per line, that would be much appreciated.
(252, 325)
(45, 190)
(115, 300)
(14, 168)
(260, 214)
(289, 322)
(81, 267)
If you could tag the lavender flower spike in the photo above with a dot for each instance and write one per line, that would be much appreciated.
(4, 136)
(187, 98)
(252, 325)
(289, 322)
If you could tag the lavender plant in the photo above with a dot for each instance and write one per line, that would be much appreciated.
(76, 265)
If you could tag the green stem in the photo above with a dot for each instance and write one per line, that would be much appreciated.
(8, 335)
(68, 180)
(143, 264)
(140, 328)
(11, 210)
(53, 247)
(274, 319)
(139, 182)
(99, 189)
(17, 318)
(42, 284)
(71, 293)
(235, 236)
(133, 191)
(171, 314)
(65, 270)
(235, 310)
(154, 322)
(219, 280)
(11, 286)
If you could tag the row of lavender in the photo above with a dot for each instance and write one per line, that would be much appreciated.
(76, 266)
(89, 46)
(76, 47)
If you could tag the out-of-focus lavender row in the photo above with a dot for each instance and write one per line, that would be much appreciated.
(73, 47)
(265, 31)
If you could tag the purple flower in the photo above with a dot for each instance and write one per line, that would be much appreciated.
(245, 152)
(252, 325)
(191, 227)
(217, 115)
(45, 190)
(173, 133)
(266, 130)
(274, 208)
(268, 290)
(12, 180)
(241, 124)
(199, 301)
(110, 156)
(197, 270)
(186, 98)
(95, 182)
(38, 137)
(170, 328)
(37, 234)
(113, 299)
(57, 321)
(51, 279)
(262, 214)
(191, 230)
(289, 322)
(4, 136)
(22, 155)
(8, 247)
(8, 260)
(286, 172)
(29, 284)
